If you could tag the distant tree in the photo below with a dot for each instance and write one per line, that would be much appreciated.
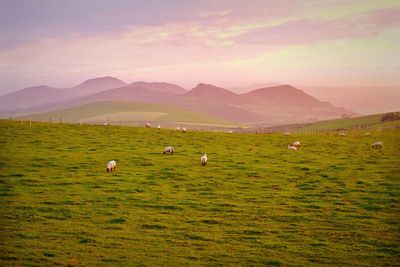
(392, 116)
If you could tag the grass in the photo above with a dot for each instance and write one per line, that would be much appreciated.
(371, 121)
(131, 112)
(333, 202)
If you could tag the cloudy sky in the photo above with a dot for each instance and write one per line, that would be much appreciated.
(229, 43)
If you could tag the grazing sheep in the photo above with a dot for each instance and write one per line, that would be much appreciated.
(184, 129)
(147, 125)
(169, 150)
(296, 144)
(111, 165)
(287, 133)
(291, 147)
(159, 127)
(367, 134)
(177, 128)
(377, 145)
(204, 159)
(342, 134)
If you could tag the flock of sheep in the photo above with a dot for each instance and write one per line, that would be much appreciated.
(169, 150)
(148, 125)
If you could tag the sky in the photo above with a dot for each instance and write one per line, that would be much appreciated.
(230, 43)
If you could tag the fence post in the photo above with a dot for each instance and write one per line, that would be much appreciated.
(30, 121)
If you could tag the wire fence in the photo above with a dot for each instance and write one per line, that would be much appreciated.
(120, 121)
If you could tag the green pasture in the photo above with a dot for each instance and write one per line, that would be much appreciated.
(334, 202)
(128, 113)
(370, 121)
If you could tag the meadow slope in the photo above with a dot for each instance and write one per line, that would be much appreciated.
(335, 201)
(370, 121)
(131, 113)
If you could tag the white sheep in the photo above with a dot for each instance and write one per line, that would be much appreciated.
(291, 147)
(169, 150)
(111, 165)
(147, 125)
(204, 159)
(184, 129)
(377, 145)
(296, 144)
(159, 127)
(342, 134)
(177, 128)
(287, 133)
(367, 134)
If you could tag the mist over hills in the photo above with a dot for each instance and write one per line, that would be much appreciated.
(40, 95)
(269, 105)
(362, 100)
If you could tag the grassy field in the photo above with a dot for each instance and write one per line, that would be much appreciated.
(131, 113)
(371, 121)
(333, 202)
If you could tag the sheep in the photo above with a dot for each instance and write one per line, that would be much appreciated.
(111, 165)
(287, 133)
(296, 144)
(147, 125)
(291, 147)
(184, 129)
(342, 134)
(377, 145)
(169, 150)
(367, 134)
(177, 128)
(204, 159)
(159, 127)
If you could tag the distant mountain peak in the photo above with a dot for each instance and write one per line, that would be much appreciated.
(284, 94)
(32, 89)
(209, 90)
(206, 85)
(103, 80)
(159, 87)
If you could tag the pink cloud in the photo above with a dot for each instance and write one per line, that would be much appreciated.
(304, 32)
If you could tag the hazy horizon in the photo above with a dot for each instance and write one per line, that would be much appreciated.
(232, 44)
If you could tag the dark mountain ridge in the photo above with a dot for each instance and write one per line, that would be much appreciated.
(268, 105)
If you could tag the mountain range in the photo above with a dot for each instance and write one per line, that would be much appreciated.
(273, 105)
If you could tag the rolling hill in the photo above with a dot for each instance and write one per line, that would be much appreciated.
(40, 95)
(134, 113)
(146, 92)
(267, 106)
(214, 101)
(370, 121)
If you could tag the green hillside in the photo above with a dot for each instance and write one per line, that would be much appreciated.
(371, 121)
(335, 202)
(130, 113)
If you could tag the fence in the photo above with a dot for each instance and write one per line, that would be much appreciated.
(120, 121)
